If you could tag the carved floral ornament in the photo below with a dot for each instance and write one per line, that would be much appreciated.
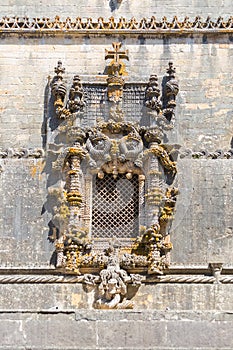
(119, 198)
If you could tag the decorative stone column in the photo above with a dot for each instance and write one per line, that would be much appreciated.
(154, 195)
(74, 197)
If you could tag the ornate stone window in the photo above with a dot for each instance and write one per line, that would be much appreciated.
(119, 174)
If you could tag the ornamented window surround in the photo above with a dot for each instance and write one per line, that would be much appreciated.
(116, 146)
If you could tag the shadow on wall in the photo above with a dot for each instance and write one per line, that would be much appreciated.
(114, 4)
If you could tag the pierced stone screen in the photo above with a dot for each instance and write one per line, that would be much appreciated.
(115, 207)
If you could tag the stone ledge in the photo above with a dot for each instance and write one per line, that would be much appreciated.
(106, 330)
(127, 315)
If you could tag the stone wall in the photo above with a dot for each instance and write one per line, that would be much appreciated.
(203, 122)
(178, 297)
(189, 311)
(130, 330)
(203, 66)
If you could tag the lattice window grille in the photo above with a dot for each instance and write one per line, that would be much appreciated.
(115, 207)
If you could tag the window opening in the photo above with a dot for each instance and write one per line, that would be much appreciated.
(115, 207)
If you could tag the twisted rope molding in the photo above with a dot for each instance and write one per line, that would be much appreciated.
(79, 279)
(101, 25)
(39, 153)
(40, 279)
(21, 153)
(218, 154)
(186, 279)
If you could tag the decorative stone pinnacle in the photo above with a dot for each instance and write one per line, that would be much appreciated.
(171, 70)
(59, 70)
(153, 79)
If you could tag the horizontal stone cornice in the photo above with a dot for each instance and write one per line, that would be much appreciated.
(175, 274)
(88, 26)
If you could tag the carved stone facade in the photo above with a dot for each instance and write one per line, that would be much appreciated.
(115, 179)
(118, 186)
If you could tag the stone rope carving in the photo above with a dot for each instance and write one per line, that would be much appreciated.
(144, 25)
(40, 279)
(187, 153)
(22, 153)
(5, 279)
(204, 154)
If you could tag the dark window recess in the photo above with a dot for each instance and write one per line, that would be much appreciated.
(115, 207)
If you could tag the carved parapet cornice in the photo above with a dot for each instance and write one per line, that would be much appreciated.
(144, 26)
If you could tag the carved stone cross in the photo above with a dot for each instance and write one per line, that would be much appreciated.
(116, 54)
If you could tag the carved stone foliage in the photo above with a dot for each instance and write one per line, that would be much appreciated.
(152, 94)
(116, 187)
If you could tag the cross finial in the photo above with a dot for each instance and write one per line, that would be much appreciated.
(116, 54)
